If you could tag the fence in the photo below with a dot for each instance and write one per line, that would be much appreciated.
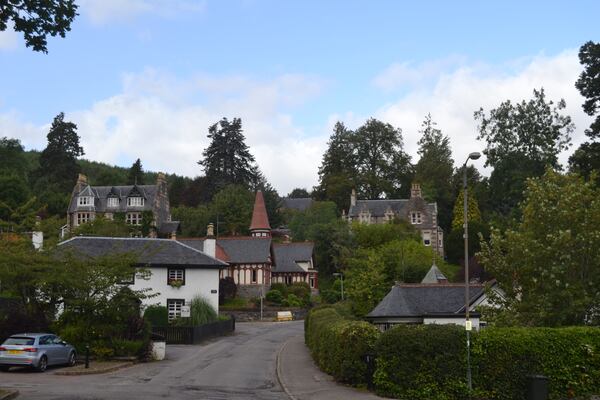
(194, 334)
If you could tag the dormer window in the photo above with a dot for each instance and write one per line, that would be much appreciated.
(112, 202)
(415, 217)
(135, 201)
(85, 201)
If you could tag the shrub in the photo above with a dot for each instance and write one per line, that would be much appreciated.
(274, 296)
(128, 348)
(202, 312)
(569, 357)
(293, 301)
(227, 289)
(339, 345)
(422, 362)
(300, 290)
(281, 287)
(331, 296)
(157, 315)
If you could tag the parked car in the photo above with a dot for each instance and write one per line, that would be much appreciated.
(35, 350)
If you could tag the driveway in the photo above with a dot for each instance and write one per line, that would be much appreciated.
(241, 366)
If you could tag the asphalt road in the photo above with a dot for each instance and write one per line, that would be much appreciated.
(241, 366)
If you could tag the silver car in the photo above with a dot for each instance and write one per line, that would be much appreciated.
(36, 350)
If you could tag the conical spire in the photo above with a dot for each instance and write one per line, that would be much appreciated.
(260, 220)
(434, 275)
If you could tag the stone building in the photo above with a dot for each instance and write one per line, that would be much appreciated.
(421, 214)
(131, 202)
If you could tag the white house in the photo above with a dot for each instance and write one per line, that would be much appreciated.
(178, 272)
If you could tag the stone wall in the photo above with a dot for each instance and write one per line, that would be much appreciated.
(269, 314)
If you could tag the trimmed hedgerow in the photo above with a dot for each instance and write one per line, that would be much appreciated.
(339, 345)
(569, 357)
(422, 362)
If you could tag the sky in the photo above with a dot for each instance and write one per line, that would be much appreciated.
(146, 78)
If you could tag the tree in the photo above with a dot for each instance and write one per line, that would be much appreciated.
(232, 207)
(101, 226)
(19, 218)
(585, 160)
(337, 171)
(383, 168)
(38, 19)
(435, 168)
(521, 139)
(588, 84)
(136, 174)
(549, 265)
(227, 160)
(299, 193)
(12, 157)
(58, 161)
(194, 220)
(473, 213)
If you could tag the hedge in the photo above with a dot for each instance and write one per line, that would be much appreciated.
(422, 362)
(569, 357)
(429, 361)
(339, 345)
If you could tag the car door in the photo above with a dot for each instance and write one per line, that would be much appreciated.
(45, 346)
(62, 350)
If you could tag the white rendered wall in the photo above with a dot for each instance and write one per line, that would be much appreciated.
(197, 282)
(455, 321)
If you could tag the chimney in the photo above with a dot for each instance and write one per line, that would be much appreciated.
(353, 198)
(82, 179)
(161, 178)
(37, 236)
(210, 243)
(415, 190)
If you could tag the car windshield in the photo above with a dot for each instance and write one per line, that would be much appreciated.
(19, 341)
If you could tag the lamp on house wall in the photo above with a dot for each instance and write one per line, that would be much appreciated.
(468, 325)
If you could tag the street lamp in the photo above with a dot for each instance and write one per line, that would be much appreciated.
(341, 276)
(472, 156)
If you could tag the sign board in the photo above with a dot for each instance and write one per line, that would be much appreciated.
(185, 311)
(468, 325)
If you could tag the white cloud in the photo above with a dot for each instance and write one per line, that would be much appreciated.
(455, 95)
(164, 121)
(105, 11)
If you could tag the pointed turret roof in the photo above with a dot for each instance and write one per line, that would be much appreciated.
(434, 275)
(260, 219)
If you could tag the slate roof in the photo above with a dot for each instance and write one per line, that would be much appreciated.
(260, 219)
(287, 255)
(102, 193)
(298, 204)
(400, 207)
(238, 250)
(434, 275)
(419, 300)
(150, 251)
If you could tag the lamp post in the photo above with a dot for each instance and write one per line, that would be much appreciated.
(341, 276)
(472, 156)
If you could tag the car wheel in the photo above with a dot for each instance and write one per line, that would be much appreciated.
(72, 359)
(43, 364)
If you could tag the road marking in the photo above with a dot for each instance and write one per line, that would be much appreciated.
(278, 371)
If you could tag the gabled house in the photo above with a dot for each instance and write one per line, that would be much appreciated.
(131, 202)
(415, 210)
(255, 262)
(178, 272)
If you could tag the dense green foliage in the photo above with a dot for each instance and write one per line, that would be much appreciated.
(425, 362)
(157, 315)
(588, 84)
(339, 345)
(549, 264)
(429, 361)
(136, 173)
(38, 19)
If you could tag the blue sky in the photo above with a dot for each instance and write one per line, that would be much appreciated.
(145, 78)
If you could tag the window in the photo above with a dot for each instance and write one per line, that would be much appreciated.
(288, 280)
(112, 202)
(135, 201)
(134, 218)
(415, 217)
(85, 201)
(426, 238)
(254, 276)
(311, 281)
(84, 217)
(176, 276)
(174, 308)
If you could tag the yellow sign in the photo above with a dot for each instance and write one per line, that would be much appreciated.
(468, 325)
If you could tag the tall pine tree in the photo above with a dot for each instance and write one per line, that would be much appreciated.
(435, 168)
(136, 174)
(227, 160)
(58, 161)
